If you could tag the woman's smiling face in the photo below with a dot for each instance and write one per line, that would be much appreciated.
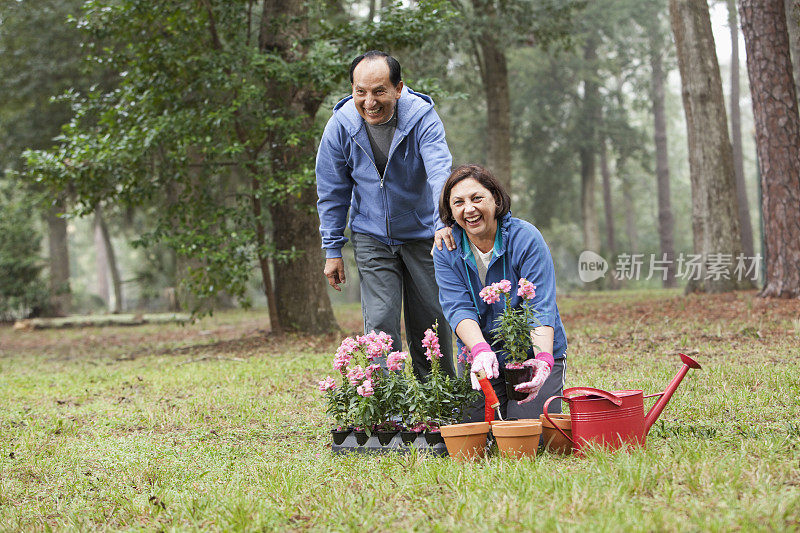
(474, 209)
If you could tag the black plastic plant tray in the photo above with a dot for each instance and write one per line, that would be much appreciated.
(373, 446)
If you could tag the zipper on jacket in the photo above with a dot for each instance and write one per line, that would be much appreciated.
(385, 198)
(383, 191)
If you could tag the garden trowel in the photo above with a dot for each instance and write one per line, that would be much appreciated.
(492, 403)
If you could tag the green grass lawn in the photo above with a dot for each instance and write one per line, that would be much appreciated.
(216, 425)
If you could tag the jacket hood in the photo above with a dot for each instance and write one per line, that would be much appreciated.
(410, 108)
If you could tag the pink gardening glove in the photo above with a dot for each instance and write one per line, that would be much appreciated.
(542, 366)
(483, 358)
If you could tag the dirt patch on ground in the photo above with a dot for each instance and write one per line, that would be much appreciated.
(740, 306)
(745, 313)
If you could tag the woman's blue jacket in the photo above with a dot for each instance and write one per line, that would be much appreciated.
(519, 252)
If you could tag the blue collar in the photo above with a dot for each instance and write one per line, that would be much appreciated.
(497, 248)
(497, 251)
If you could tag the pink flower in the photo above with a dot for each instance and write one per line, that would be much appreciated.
(327, 384)
(355, 375)
(395, 360)
(489, 295)
(373, 372)
(365, 389)
(526, 289)
(503, 286)
(376, 344)
(464, 355)
(431, 343)
(344, 353)
(349, 345)
(340, 362)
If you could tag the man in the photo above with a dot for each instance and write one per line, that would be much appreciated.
(384, 157)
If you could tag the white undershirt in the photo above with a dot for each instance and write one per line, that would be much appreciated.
(481, 261)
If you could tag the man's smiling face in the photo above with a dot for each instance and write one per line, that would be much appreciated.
(374, 95)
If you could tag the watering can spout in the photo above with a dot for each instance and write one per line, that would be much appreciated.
(665, 396)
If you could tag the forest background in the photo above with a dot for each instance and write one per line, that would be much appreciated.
(161, 156)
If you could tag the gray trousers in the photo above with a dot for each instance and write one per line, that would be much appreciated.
(511, 408)
(402, 276)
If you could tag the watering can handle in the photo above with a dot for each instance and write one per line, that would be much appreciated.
(610, 396)
(547, 416)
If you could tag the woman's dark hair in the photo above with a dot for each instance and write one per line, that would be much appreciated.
(485, 178)
(394, 65)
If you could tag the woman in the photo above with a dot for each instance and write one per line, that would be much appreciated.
(491, 245)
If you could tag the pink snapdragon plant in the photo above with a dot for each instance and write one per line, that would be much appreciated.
(373, 398)
(513, 326)
(365, 389)
(431, 344)
(327, 384)
(395, 361)
(367, 396)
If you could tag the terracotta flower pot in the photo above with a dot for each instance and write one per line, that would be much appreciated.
(515, 376)
(518, 439)
(554, 441)
(523, 421)
(465, 441)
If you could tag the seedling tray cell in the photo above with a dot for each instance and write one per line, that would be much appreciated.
(374, 447)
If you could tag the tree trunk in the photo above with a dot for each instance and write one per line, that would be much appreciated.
(494, 75)
(263, 261)
(609, 210)
(300, 288)
(589, 123)
(629, 205)
(715, 223)
(302, 298)
(60, 294)
(108, 249)
(666, 223)
(777, 123)
(607, 204)
(793, 25)
(736, 137)
(101, 264)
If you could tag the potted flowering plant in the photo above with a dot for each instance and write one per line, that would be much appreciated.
(390, 391)
(462, 391)
(412, 405)
(513, 327)
(437, 389)
(338, 408)
(370, 399)
(366, 397)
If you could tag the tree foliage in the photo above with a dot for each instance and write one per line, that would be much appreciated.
(211, 118)
(22, 291)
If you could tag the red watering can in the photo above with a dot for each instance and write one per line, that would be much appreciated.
(614, 419)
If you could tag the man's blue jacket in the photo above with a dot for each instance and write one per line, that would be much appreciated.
(519, 252)
(401, 205)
